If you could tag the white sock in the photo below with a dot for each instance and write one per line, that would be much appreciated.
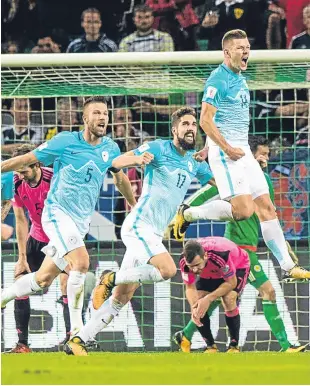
(26, 285)
(75, 294)
(146, 274)
(214, 210)
(100, 319)
(274, 239)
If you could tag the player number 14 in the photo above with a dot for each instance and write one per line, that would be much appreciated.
(181, 180)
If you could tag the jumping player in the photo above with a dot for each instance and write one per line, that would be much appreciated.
(241, 183)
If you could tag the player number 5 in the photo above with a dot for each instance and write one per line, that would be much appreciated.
(88, 175)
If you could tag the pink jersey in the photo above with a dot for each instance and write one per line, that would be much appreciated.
(224, 258)
(32, 198)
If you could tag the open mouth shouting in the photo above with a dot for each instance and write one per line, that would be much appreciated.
(189, 136)
(244, 62)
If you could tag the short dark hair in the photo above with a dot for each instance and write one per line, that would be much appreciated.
(178, 114)
(23, 149)
(257, 140)
(191, 249)
(142, 8)
(233, 34)
(94, 99)
(89, 10)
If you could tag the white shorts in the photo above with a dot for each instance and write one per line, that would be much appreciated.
(235, 178)
(141, 244)
(63, 234)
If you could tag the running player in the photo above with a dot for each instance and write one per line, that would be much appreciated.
(167, 178)
(240, 181)
(246, 235)
(81, 160)
(7, 193)
(31, 185)
(223, 269)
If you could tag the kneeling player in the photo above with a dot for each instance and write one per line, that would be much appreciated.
(223, 270)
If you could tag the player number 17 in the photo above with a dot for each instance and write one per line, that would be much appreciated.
(181, 180)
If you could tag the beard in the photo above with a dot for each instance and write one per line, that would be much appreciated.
(94, 130)
(186, 145)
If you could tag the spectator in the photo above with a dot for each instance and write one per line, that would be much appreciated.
(279, 111)
(303, 137)
(22, 130)
(11, 47)
(225, 16)
(293, 10)
(178, 18)
(146, 39)
(20, 21)
(46, 45)
(93, 40)
(67, 118)
(275, 26)
(125, 133)
(303, 39)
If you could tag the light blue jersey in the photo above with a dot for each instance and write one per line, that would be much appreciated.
(7, 186)
(166, 181)
(229, 93)
(79, 170)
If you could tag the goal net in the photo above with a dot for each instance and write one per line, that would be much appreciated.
(42, 95)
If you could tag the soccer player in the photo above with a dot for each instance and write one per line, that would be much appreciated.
(246, 235)
(223, 269)
(241, 183)
(81, 160)
(7, 193)
(31, 186)
(167, 177)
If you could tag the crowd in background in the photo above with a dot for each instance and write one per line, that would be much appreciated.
(44, 26)
(77, 26)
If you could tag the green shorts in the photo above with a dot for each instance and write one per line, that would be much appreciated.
(257, 276)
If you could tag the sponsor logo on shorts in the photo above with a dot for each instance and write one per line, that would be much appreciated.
(72, 240)
(257, 268)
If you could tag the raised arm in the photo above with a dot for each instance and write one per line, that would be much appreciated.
(18, 162)
(129, 159)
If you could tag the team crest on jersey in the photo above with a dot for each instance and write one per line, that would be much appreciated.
(257, 268)
(105, 156)
(190, 166)
(225, 269)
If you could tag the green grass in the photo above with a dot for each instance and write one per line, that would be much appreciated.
(156, 368)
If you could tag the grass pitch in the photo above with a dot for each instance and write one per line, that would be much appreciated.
(156, 368)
